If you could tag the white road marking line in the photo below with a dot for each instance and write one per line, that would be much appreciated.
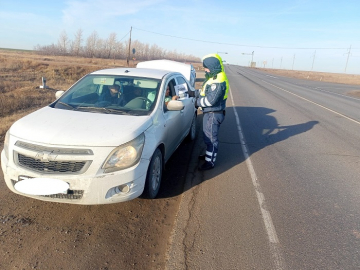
(271, 76)
(275, 249)
(337, 94)
(326, 108)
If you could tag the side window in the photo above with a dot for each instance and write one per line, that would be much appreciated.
(182, 87)
(169, 92)
(180, 80)
(171, 84)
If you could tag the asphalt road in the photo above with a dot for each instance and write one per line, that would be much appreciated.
(285, 192)
(284, 195)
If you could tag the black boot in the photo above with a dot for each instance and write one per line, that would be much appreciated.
(206, 166)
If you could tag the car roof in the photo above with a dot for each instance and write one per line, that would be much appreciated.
(134, 72)
(164, 64)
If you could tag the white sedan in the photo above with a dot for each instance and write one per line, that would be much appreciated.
(93, 147)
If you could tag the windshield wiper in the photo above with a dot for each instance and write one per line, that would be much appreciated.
(106, 110)
(67, 105)
(93, 108)
(116, 111)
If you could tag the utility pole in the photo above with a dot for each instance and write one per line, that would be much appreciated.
(252, 58)
(347, 60)
(128, 57)
(293, 62)
(313, 61)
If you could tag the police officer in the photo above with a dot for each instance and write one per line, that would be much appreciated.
(212, 99)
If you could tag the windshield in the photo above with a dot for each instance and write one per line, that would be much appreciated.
(111, 94)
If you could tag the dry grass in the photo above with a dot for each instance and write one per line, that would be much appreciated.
(316, 76)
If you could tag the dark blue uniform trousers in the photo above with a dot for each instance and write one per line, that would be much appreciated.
(211, 125)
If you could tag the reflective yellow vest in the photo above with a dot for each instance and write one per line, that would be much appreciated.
(220, 77)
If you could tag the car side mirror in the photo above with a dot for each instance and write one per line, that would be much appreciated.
(58, 94)
(175, 105)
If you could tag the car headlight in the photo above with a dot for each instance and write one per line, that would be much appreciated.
(125, 156)
(6, 144)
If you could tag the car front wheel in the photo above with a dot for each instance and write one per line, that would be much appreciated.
(154, 175)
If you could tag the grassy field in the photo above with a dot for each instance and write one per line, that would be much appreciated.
(316, 76)
(21, 73)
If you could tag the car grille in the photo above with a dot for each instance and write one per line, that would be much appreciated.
(71, 195)
(52, 160)
(50, 166)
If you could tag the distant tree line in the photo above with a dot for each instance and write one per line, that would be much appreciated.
(109, 48)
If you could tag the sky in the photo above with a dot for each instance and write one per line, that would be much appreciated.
(312, 35)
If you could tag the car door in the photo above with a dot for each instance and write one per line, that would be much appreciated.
(173, 126)
(189, 106)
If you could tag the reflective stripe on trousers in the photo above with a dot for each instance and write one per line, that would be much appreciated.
(211, 125)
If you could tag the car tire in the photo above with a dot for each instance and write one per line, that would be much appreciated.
(192, 132)
(153, 176)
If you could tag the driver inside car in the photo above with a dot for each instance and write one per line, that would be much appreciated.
(112, 94)
(168, 97)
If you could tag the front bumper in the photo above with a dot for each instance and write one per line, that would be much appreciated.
(91, 187)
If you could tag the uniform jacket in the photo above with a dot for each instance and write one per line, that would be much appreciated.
(212, 97)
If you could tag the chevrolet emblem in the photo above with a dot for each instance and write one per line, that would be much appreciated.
(45, 156)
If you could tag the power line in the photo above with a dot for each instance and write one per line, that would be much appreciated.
(125, 36)
(239, 45)
(347, 60)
